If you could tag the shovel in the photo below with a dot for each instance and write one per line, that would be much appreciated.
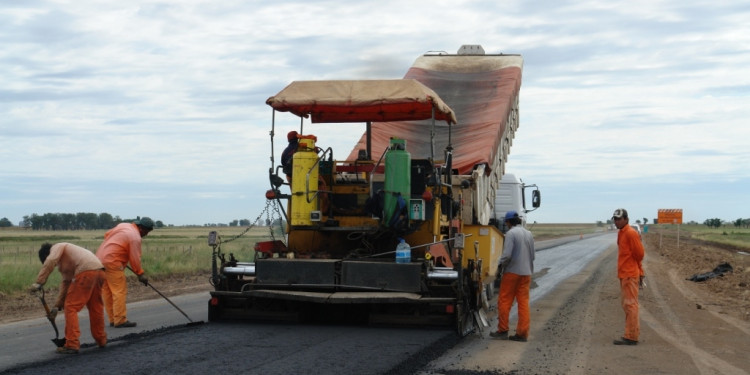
(60, 342)
(192, 323)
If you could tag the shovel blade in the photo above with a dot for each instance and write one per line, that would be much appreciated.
(59, 342)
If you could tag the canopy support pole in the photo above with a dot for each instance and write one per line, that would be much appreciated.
(369, 140)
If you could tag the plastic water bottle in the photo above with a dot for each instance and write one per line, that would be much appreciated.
(403, 252)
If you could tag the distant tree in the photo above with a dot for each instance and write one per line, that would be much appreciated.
(234, 223)
(713, 223)
(158, 224)
(4, 223)
(105, 221)
(245, 223)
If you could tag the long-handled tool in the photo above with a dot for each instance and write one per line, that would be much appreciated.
(60, 342)
(192, 323)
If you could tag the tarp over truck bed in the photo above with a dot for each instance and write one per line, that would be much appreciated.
(361, 100)
(483, 92)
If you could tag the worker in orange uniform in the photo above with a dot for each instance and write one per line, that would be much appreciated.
(630, 272)
(517, 265)
(82, 279)
(122, 245)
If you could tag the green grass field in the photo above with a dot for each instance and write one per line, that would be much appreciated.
(166, 251)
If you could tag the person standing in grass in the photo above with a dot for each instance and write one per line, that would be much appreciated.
(82, 279)
(630, 272)
(122, 246)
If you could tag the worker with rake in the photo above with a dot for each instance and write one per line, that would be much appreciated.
(122, 245)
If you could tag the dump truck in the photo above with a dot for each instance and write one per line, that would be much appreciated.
(401, 228)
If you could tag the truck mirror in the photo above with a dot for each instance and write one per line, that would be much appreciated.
(536, 198)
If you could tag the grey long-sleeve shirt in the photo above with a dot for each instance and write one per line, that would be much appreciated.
(518, 248)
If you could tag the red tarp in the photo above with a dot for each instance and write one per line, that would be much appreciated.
(361, 101)
(481, 89)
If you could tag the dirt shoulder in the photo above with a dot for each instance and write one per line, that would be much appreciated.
(686, 327)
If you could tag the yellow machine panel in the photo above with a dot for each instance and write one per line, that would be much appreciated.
(304, 183)
(490, 246)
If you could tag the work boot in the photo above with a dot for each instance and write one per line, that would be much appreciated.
(127, 324)
(624, 341)
(517, 338)
(64, 350)
(499, 335)
(111, 324)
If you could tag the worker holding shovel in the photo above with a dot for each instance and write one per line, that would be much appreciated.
(82, 278)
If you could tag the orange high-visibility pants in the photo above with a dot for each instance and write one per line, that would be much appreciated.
(514, 287)
(85, 290)
(629, 300)
(114, 293)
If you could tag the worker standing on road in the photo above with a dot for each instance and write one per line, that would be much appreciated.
(82, 279)
(517, 262)
(122, 245)
(629, 270)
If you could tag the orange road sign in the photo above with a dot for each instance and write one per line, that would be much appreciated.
(669, 216)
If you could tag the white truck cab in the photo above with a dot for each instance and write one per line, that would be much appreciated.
(511, 196)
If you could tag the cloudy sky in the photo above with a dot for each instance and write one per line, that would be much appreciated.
(157, 108)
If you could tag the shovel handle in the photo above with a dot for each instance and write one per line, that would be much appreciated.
(49, 316)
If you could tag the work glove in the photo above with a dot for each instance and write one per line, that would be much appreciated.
(142, 278)
(642, 282)
(35, 288)
(53, 313)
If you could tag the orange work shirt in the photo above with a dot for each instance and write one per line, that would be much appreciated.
(630, 253)
(122, 245)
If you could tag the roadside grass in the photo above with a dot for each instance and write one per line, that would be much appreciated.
(727, 235)
(166, 251)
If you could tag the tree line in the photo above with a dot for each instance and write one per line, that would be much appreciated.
(716, 223)
(68, 221)
(87, 220)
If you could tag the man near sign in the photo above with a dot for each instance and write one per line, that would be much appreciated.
(629, 270)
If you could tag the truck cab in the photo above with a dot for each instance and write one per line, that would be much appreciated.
(511, 196)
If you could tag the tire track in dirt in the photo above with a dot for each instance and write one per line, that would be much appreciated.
(670, 327)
